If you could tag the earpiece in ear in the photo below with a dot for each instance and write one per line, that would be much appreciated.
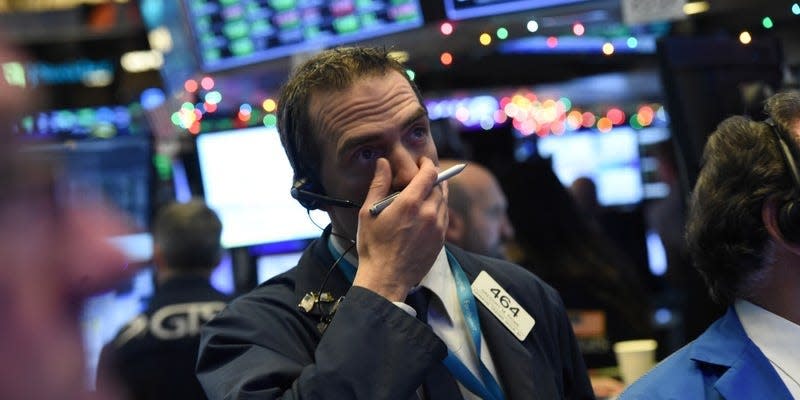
(789, 221)
(789, 214)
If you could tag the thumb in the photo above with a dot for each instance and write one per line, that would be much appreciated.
(381, 182)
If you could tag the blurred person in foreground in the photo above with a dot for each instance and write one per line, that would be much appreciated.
(54, 257)
(598, 284)
(478, 221)
(743, 233)
(154, 355)
(336, 326)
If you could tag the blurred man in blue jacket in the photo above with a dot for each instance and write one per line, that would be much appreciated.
(744, 236)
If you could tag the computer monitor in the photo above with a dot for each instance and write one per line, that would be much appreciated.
(270, 265)
(246, 179)
(230, 34)
(98, 154)
(462, 9)
(610, 159)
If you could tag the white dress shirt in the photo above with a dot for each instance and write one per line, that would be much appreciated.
(777, 338)
(448, 323)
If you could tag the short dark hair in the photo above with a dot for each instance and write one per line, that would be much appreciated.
(742, 167)
(335, 69)
(188, 235)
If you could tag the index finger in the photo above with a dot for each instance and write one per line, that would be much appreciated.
(422, 183)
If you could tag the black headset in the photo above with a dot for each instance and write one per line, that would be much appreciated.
(307, 192)
(789, 214)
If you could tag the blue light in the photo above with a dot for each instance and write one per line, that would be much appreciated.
(152, 98)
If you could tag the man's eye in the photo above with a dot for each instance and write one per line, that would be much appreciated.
(419, 132)
(366, 154)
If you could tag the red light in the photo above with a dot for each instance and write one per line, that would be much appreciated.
(190, 85)
(446, 58)
(446, 28)
(207, 83)
(588, 119)
(552, 42)
(195, 128)
(578, 29)
(616, 116)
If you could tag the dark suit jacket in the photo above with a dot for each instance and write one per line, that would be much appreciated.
(262, 346)
(154, 355)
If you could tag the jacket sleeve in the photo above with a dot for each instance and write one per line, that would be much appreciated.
(262, 347)
(575, 376)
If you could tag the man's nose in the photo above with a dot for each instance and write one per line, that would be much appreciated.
(405, 166)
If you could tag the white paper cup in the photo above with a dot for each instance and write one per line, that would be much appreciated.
(635, 358)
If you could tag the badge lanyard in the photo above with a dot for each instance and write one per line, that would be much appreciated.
(488, 388)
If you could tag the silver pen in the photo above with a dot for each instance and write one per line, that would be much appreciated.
(378, 206)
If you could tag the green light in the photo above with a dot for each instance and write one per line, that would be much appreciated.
(634, 121)
(796, 9)
(411, 74)
(14, 73)
(270, 120)
(566, 102)
(767, 22)
(632, 42)
(502, 33)
(213, 97)
(163, 166)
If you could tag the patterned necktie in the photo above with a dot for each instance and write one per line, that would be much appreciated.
(439, 383)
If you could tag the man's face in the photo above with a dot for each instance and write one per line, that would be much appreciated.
(487, 225)
(378, 116)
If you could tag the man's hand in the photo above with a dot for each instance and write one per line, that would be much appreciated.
(397, 247)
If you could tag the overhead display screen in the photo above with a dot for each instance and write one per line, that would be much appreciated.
(246, 179)
(232, 33)
(463, 9)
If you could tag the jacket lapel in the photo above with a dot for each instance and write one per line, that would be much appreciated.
(749, 374)
(312, 270)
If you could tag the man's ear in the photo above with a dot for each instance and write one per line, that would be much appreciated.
(158, 257)
(770, 213)
(456, 227)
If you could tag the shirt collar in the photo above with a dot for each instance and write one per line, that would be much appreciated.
(775, 336)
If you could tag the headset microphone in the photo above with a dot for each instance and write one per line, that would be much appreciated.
(311, 200)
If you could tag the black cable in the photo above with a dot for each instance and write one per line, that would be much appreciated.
(332, 267)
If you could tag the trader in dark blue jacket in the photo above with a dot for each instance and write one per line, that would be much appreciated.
(153, 356)
(337, 326)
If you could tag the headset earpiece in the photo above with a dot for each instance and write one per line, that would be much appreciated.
(300, 190)
(789, 213)
(789, 221)
(306, 193)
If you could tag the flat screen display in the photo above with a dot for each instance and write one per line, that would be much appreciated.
(271, 265)
(463, 9)
(610, 159)
(90, 170)
(230, 33)
(246, 179)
